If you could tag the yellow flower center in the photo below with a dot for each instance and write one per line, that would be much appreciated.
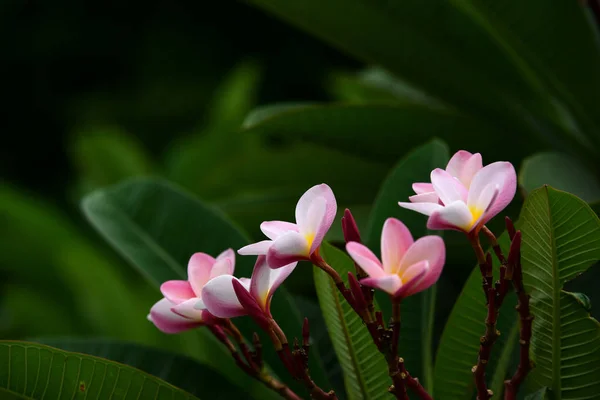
(475, 214)
(310, 237)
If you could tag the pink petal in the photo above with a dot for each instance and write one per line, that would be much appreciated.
(228, 254)
(303, 219)
(430, 197)
(365, 259)
(423, 208)
(256, 249)
(265, 280)
(395, 240)
(167, 321)
(388, 283)
(223, 266)
(191, 309)
(288, 248)
(220, 299)
(470, 168)
(500, 174)
(177, 291)
(412, 280)
(315, 223)
(421, 188)
(448, 188)
(274, 229)
(428, 248)
(457, 162)
(199, 268)
(455, 216)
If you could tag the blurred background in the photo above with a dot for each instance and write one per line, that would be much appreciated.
(99, 91)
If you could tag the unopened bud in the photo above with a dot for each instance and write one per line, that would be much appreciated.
(349, 228)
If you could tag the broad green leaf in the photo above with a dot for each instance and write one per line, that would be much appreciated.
(365, 369)
(541, 394)
(178, 370)
(413, 41)
(459, 344)
(385, 131)
(561, 240)
(37, 371)
(416, 339)
(562, 172)
(8, 395)
(157, 227)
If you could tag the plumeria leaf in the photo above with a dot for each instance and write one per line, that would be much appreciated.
(180, 371)
(562, 172)
(561, 240)
(416, 339)
(391, 127)
(157, 227)
(364, 368)
(459, 344)
(36, 371)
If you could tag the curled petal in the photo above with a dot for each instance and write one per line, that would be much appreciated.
(288, 248)
(305, 220)
(423, 208)
(388, 283)
(421, 188)
(395, 240)
(192, 309)
(177, 291)
(430, 197)
(199, 268)
(256, 249)
(455, 216)
(220, 298)
(430, 249)
(500, 174)
(412, 280)
(365, 259)
(167, 321)
(265, 280)
(274, 229)
(448, 188)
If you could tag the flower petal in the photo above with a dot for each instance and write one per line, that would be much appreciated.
(430, 197)
(500, 174)
(421, 188)
(428, 248)
(192, 309)
(274, 229)
(265, 280)
(256, 249)
(457, 162)
(199, 268)
(303, 219)
(177, 291)
(288, 248)
(455, 216)
(224, 266)
(412, 281)
(470, 168)
(167, 321)
(220, 299)
(228, 254)
(365, 259)
(395, 240)
(448, 188)
(388, 283)
(423, 208)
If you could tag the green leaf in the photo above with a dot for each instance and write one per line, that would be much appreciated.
(459, 344)
(561, 239)
(157, 227)
(178, 370)
(365, 369)
(416, 339)
(39, 371)
(8, 395)
(541, 394)
(384, 131)
(561, 172)
(499, 86)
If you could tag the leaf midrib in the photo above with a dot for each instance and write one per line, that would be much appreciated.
(340, 311)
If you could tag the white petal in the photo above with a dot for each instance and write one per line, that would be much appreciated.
(220, 298)
(448, 188)
(423, 208)
(274, 229)
(256, 249)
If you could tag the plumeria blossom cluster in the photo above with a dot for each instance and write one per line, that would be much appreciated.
(463, 196)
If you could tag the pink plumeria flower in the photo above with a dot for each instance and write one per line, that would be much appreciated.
(291, 242)
(227, 296)
(182, 307)
(408, 267)
(466, 195)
